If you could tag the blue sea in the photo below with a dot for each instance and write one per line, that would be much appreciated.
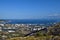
(30, 21)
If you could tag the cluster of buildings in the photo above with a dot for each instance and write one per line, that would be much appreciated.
(20, 27)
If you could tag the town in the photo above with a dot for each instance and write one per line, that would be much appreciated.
(8, 31)
(20, 27)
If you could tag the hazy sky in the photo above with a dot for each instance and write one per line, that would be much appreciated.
(29, 9)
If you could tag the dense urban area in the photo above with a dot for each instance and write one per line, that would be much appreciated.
(29, 32)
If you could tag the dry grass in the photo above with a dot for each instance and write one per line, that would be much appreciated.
(32, 38)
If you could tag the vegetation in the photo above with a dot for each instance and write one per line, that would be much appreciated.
(53, 33)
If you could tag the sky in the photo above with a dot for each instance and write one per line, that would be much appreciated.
(29, 9)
